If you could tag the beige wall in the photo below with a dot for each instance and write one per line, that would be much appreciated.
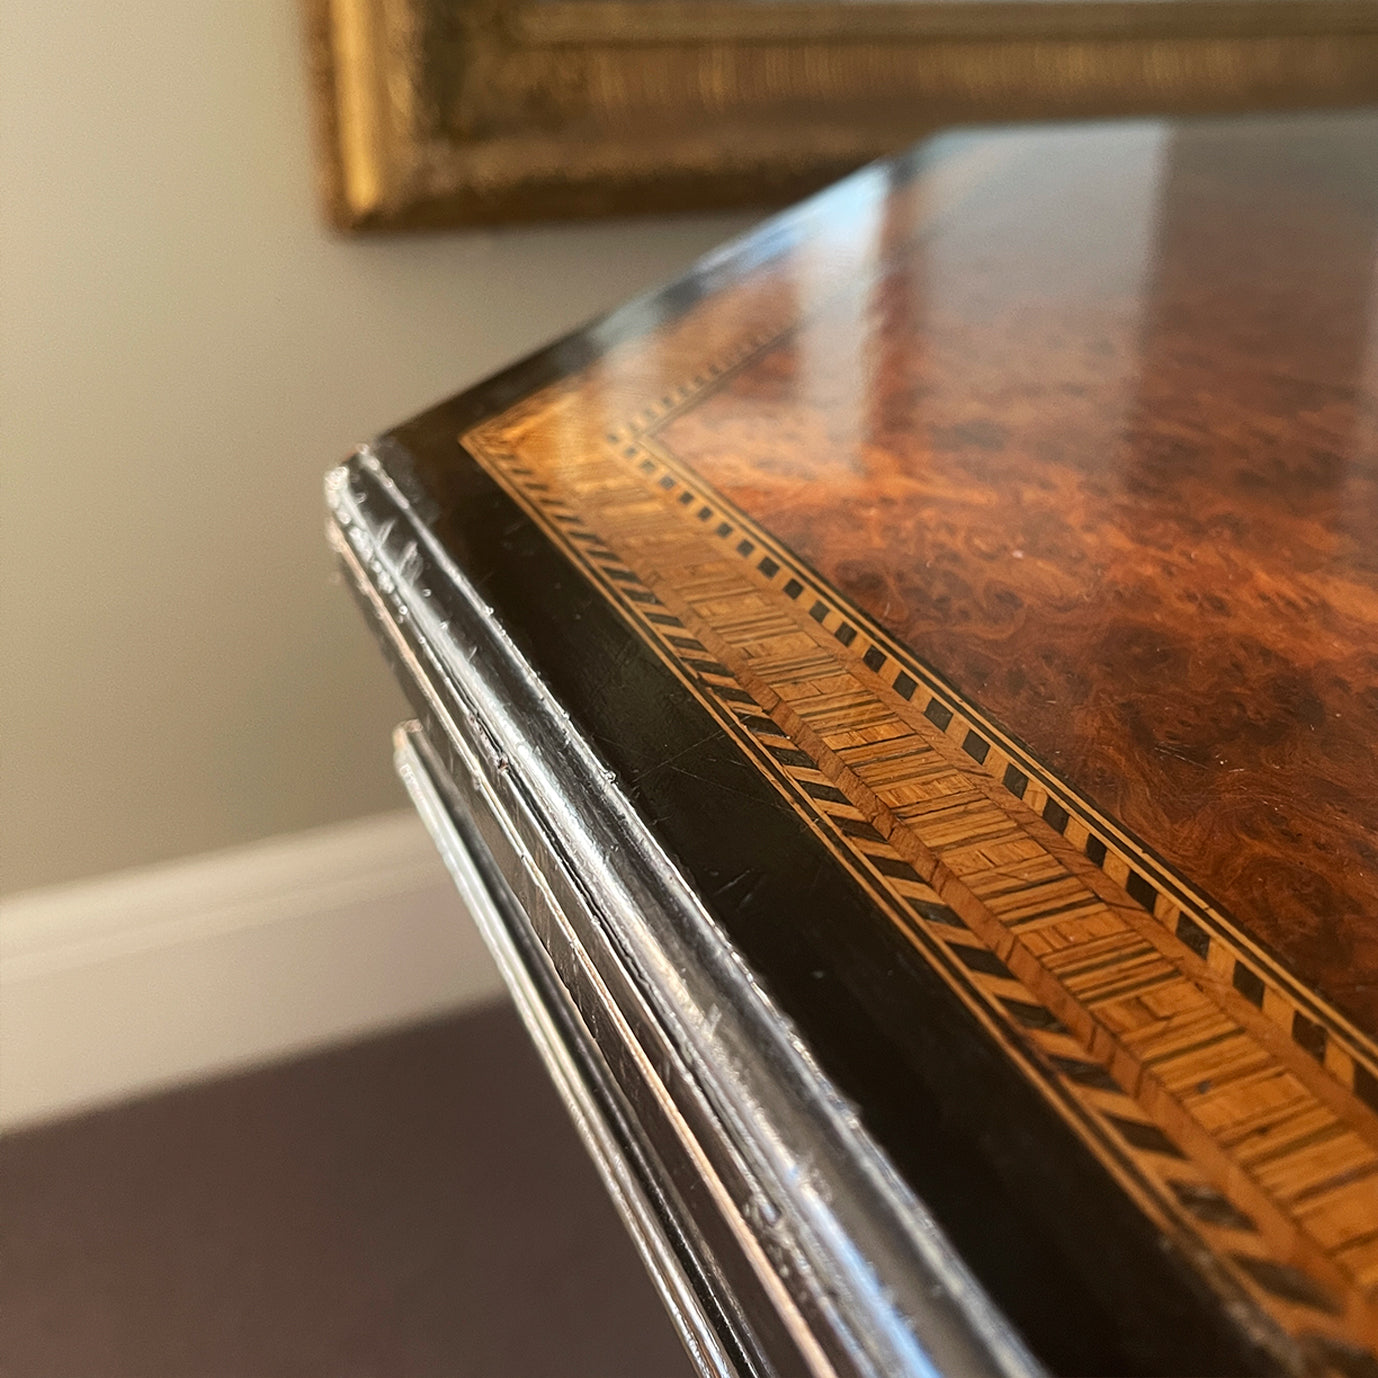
(185, 351)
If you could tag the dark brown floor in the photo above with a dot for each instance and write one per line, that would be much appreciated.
(416, 1205)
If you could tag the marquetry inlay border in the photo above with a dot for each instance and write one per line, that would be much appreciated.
(1235, 1107)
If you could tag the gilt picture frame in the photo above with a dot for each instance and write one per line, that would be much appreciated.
(435, 113)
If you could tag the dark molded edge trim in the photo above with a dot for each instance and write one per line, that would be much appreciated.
(569, 1059)
(884, 1290)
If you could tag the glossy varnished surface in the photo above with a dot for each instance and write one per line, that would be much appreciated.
(1102, 448)
(972, 579)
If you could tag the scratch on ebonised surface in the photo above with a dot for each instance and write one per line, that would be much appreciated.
(705, 779)
(670, 760)
(757, 879)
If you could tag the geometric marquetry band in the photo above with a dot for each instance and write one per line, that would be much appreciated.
(1253, 976)
(1319, 1031)
(1131, 1005)
(1350, 1056)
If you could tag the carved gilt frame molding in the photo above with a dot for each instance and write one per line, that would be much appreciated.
(451, 112)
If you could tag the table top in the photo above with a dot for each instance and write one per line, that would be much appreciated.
(972, 579)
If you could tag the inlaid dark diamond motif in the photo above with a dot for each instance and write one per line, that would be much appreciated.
(1194, 936)
(1207, 1204)
(1249, 984)
(1147, 1137)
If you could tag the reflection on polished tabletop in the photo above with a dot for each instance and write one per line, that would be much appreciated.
(1008, 519)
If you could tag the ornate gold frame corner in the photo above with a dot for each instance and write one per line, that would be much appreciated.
(437, 113)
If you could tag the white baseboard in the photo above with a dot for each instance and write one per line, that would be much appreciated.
(147, 979)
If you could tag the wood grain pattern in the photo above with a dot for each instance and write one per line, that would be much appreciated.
(1093, 515)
